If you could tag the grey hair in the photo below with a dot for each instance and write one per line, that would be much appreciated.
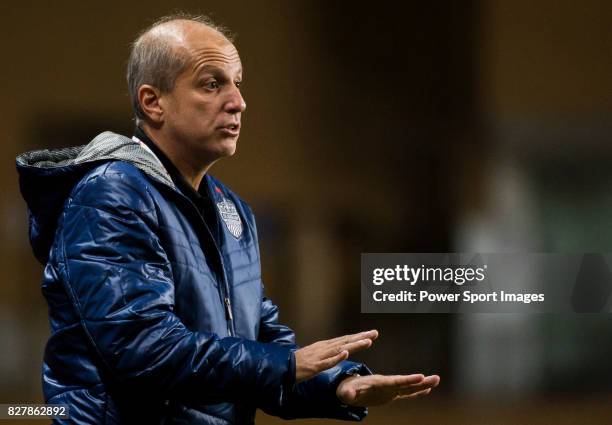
(157, 62)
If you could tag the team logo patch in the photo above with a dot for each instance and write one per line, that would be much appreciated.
(230, 217)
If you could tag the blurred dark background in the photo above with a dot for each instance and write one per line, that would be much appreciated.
(476, 126)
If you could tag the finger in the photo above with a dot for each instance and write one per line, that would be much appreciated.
(346, 339)
(392, 381)
(434, 379)
(414, 395)
(351, 347)
(400, 381)
(414, 389)
(332, 361)
(428, 381)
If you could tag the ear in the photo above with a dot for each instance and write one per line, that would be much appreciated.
(148, 97)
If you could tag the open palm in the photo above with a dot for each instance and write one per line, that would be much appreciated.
(373, 390)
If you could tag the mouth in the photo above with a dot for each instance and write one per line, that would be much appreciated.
(232, 129)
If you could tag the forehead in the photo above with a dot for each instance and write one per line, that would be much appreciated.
(206, 47)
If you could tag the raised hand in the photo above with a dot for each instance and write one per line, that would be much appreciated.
(373, 390)
(322, 355)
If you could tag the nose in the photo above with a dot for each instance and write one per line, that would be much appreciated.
(235, 102)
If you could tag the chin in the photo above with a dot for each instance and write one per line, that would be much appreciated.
(227, 148)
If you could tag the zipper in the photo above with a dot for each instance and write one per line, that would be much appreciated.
(225, 296)
(224, 292)
(228, 309)
(228, 314)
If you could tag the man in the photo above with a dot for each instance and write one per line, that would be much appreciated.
(152, 265)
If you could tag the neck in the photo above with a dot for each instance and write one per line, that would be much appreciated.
(191, 171)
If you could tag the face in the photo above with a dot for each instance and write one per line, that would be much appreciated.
(203, 110)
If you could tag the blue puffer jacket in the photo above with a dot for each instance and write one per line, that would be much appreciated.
(153, 321)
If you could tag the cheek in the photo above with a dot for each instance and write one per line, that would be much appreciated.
(193, 111)
(202, 110)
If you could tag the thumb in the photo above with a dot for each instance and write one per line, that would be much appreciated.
(346, 391)
(333, 361)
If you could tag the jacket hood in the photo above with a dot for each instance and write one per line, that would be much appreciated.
(47, 177)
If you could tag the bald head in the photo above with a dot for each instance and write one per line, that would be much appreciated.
(162, 52)
(179, 31)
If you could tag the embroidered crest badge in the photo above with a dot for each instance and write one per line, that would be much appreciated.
(230, 217)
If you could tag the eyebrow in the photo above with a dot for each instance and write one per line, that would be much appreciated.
(212, 69)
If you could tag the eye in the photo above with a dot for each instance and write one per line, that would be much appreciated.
(211, 84)
(238, 83)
